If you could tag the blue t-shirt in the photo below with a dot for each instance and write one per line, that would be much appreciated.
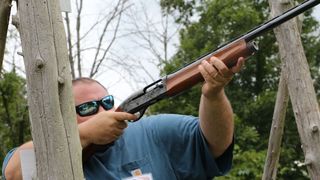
(167, 146)
(5, 161)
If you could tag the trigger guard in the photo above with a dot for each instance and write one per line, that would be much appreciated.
(139, 114)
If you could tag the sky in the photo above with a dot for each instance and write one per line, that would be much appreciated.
(118, 81)
(316, 12)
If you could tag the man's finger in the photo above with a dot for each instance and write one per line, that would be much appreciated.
(205, 74)
(221, 67)
(122, 124)
(210, 70)
(238, 66)
(123, 116)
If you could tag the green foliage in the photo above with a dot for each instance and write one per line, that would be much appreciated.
(258, 113)
(249, 165)
(210, 23)
(248, 159)
(183, 9)
(14, 120)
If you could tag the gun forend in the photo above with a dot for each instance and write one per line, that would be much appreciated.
(189, 76)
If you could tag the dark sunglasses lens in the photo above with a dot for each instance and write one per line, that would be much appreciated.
(107, 102)
(88, 108)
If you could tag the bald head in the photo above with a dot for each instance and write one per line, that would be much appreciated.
(85, 80)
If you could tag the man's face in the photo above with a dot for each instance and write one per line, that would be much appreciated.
(84, 92)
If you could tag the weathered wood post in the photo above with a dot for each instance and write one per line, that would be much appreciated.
(300, 87)
(51, 104)
(277, 126)
(5, 9)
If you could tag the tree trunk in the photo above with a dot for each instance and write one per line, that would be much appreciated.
(279, 115)
(51, 105)
(301, 90)
(66, 97)
(5, 9)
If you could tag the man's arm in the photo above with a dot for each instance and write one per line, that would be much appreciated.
(216, 115)
(13, 168)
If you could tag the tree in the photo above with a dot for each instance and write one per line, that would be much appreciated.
(100, 30)
(5, 9)
(54, 129)
(124, 37)
(302, 95)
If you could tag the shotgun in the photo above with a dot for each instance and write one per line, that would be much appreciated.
(187, 77)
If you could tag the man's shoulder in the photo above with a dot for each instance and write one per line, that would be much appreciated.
(6, 160)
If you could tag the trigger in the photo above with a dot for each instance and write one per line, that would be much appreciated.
(139, 114)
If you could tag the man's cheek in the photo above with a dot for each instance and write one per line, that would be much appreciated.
(81, 119)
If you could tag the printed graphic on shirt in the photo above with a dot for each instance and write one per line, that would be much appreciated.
(141, 177)
(136, 172)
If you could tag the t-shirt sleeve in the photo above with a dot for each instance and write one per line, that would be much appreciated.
(6, 160)
(182, 139)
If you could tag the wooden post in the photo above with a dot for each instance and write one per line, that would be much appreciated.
(5, 9)
(51, 104)
(300, 87)
(275, 138)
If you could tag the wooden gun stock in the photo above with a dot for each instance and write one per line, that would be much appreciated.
(190, 75)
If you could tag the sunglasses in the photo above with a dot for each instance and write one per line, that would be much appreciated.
(92, 107)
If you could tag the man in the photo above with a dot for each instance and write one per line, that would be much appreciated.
(158, 147)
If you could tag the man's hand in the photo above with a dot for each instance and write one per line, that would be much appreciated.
(103, 128)
(216, 75)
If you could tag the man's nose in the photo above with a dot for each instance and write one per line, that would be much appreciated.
(101, 109)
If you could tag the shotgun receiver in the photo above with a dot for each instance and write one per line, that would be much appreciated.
(187, 77)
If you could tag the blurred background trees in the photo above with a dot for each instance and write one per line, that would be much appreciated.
(14, 118)
(201, 25)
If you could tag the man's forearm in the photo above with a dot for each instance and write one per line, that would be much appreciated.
(216, 122)
(13, 168)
